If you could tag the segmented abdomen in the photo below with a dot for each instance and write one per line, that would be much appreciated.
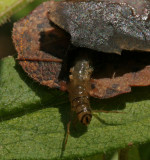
(78, 88)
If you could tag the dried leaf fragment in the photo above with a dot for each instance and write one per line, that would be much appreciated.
(105, 25)
(36, 38)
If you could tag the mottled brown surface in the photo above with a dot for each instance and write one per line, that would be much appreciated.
(106, 87)
(28, 35)
(35, 38)
(115, 74)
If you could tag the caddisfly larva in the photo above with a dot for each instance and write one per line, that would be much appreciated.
(79, 87)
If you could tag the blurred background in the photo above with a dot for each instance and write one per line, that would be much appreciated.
(6, 44)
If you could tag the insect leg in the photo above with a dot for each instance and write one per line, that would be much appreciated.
(107, 111)
(103, 121)
(68, 132)
(72, 120)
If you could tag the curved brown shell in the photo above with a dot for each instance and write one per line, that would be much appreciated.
(107, 80)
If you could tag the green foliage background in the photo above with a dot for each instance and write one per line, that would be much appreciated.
(33, 118)
(10, 7)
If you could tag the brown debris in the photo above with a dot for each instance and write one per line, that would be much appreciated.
(117, 74)
(35, 38)
(27, 34)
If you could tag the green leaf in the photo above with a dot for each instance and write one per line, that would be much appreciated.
(144, 151)
(9, 7)
(129, 153)
(33, 120)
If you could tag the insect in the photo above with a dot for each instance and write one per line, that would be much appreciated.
(43, 38)
(79, 87)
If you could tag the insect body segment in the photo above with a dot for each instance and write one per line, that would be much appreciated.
(79, 87)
